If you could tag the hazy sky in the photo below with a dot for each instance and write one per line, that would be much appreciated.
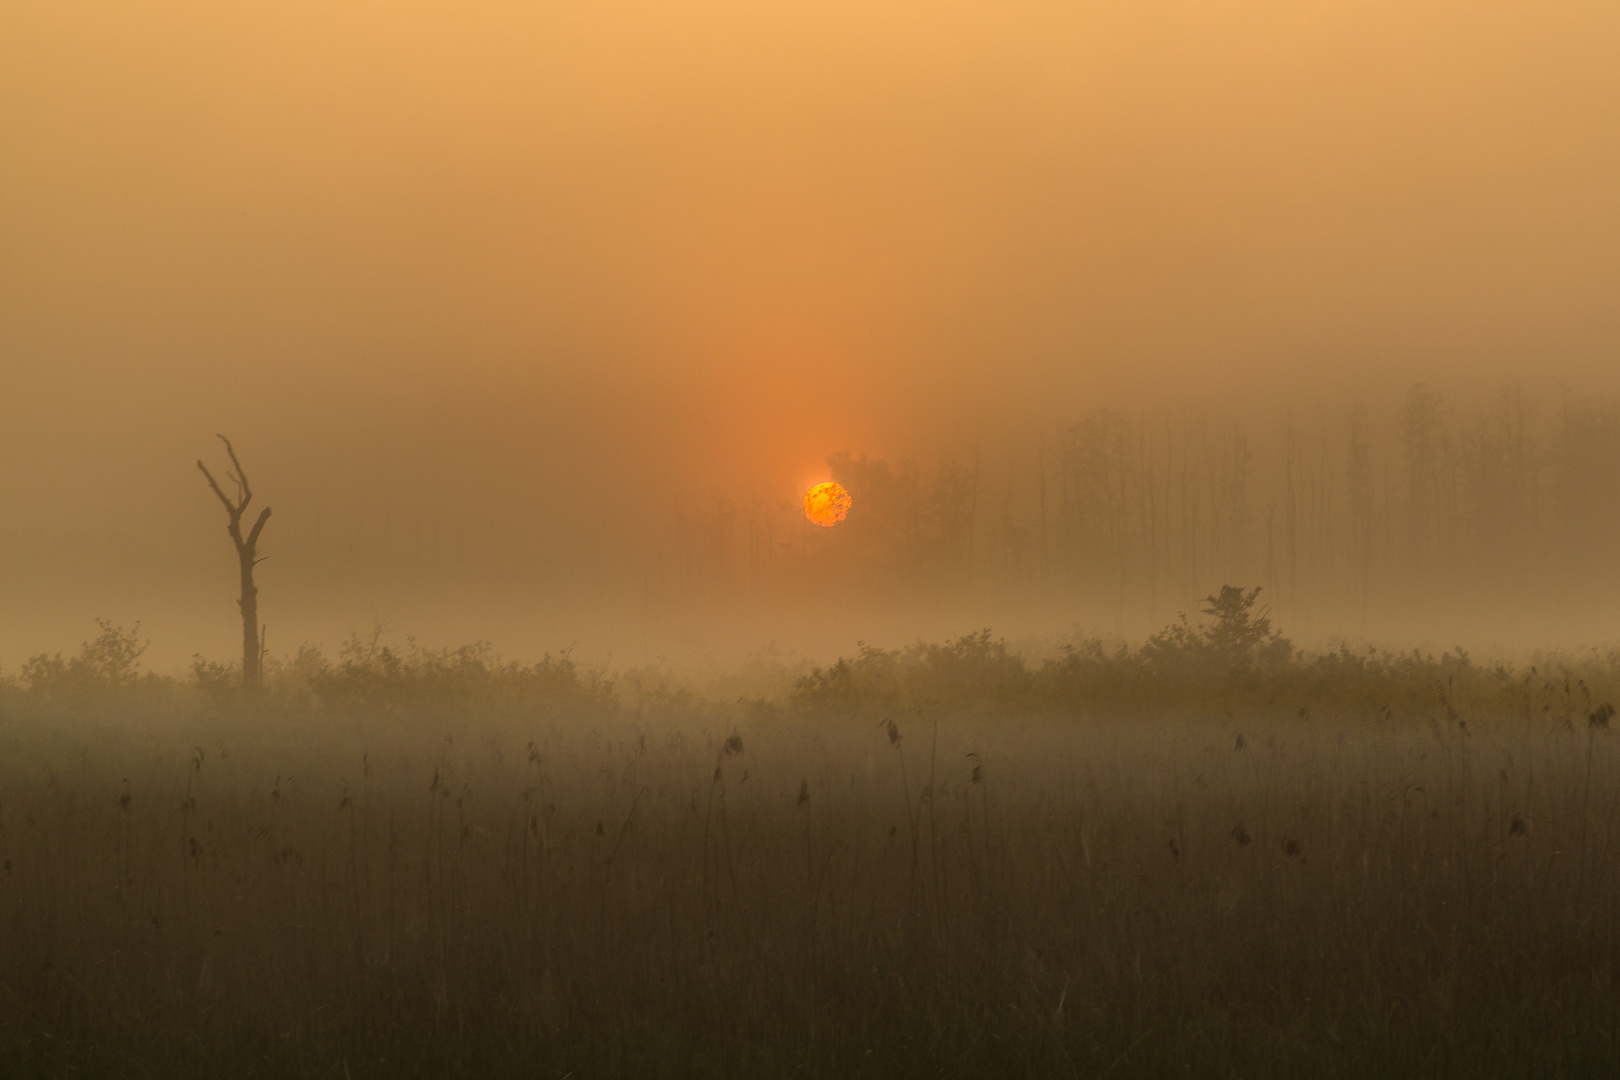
(541, 270)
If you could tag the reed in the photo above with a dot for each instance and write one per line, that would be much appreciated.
(272, 888)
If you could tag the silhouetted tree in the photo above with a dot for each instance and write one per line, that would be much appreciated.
(1234, 636)
(895, 526)
(1097, 463)
(1500, 482)
(1585, 465)
(1359, 480)
(953, 508)
(247, 556)
(1422, 445)
(1230, 502)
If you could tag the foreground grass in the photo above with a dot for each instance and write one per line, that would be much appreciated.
(287, 889)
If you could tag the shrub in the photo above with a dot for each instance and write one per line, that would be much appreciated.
(110, 662)
(1235, 640)
(972, 670)
(368, 673)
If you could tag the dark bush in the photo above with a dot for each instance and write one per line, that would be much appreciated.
(369, 674)
(109, 663)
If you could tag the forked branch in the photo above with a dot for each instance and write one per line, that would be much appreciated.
(258, 527)
(234, 511)
(235, 507)
(247, 554)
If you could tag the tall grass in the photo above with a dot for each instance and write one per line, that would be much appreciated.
(938, 861)
(294, 889)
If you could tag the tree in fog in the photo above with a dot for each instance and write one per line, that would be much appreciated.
(1096, 472)
(247, 557)
(1501, 483)
(953, 510)
(1233, 637)
(905, 525)
(883, 521)
(1587, 476)
(1371, 512)
(1229, 504)
(1423, 451)
(1359, 481)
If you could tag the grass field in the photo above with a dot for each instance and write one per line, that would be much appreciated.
(275, 888)
(938, 861)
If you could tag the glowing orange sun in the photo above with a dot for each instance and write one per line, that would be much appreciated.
(826, 504)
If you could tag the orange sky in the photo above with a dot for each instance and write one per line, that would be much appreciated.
(527, 266)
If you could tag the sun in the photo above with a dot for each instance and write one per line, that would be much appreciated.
(826, 504)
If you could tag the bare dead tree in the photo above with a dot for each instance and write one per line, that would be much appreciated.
(247, 555)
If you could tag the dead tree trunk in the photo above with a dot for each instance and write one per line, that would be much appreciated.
(248, 557)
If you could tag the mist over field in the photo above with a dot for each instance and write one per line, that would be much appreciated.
(1213, 673)
(534, 323)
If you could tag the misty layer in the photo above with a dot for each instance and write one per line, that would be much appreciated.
(530, 320)
(1229, 661)
(1436, 521)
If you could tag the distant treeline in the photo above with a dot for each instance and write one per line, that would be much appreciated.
(1228, 660)
(1140, 513)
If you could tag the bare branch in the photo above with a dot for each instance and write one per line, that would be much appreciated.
(241, 477)
(247, 557)
(231, 507)
(258, 527)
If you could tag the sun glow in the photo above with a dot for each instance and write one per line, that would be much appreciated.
(826, 504)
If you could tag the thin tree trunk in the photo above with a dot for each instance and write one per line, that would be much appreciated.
(247, 555)
(252, 672)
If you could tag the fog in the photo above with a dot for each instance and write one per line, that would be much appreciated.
(533, 322)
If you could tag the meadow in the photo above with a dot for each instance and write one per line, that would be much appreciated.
(1195, 858)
